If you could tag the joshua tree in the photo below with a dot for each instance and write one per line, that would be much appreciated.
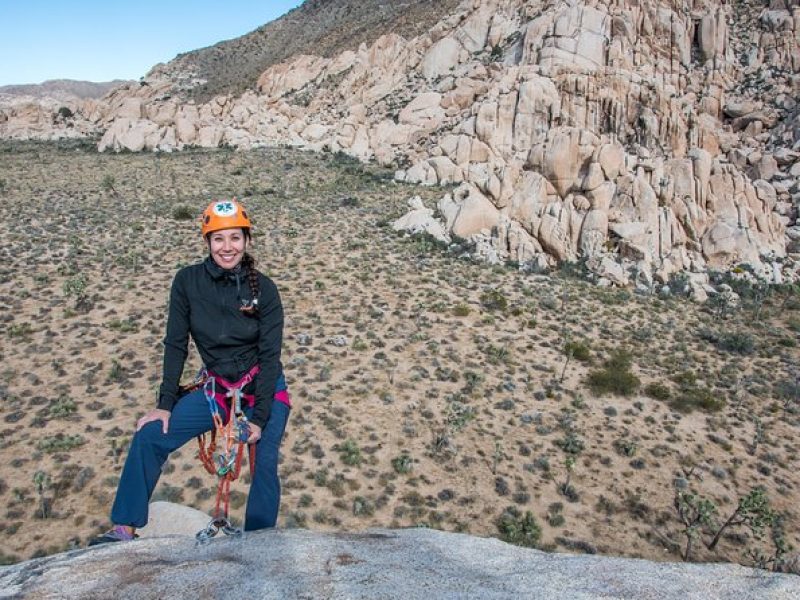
(753, 511)
(694, 513)
(42, 482)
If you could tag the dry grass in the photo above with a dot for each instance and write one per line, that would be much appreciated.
(446, 406)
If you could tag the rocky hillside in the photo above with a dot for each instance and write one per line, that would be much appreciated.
(321, 27)
(644, 138)
(62, 89)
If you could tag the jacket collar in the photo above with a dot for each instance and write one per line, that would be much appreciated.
(217, 273)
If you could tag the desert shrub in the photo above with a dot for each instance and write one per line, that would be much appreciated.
(570, 443)
(170, 493)
(739, 342)
(461, 310)
(625, 446)
(20, 330)
(458, 414)
(182, 213)
(679, 284)
(116, 373)
(578, 350)
(350, 202)
(108, 183)
(519, 529)
(75, 286)
(793, 323)
(63, 407)
(494, 300)
(60, 442)
(549, 302)
(123, 325)
(702, 398)
(657, 390)
(572, 270)
(691, 396)
(402, 464)
(425, 243)
(472, 381)
(237, 498)
(789, 392)
(555, 518)
(615, 377)
(320, 477)
(350, 453)
(363, 507)
(497, 354)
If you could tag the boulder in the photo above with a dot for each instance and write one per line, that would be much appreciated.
(421, 220)
(559, 158)
(606, 268)
(423, 112)
(554, 232)
(528, 201)
(594, 233)
(413, 563)
(467, 211)
(168, 518)
(130, 108)
(442, 57)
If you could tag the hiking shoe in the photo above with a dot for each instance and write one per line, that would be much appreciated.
(116, 534)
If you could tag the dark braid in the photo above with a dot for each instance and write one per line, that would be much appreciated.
(249, 263)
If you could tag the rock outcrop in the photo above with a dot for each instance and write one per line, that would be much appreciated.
(662, 135)
(410, 563)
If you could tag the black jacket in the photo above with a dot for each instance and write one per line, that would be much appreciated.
(204, 301)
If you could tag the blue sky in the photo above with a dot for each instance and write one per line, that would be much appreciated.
(116, 39)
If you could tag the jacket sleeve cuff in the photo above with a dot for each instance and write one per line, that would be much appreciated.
(165, 403)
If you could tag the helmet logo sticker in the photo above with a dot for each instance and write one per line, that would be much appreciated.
(225, 209)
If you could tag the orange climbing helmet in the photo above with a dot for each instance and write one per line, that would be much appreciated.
(224, 214)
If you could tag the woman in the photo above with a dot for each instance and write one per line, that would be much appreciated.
(235, 318)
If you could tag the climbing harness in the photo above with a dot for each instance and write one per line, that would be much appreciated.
(222, 455)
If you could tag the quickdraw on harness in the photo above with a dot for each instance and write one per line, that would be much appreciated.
(223, 454)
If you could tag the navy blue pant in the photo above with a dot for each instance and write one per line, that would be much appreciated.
(190, 417)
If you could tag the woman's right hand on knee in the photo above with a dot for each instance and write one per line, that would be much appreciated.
(157, 414)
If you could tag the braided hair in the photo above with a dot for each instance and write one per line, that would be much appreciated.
(249, 264)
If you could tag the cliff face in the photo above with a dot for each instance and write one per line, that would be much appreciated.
(411, 563)
(657, 135)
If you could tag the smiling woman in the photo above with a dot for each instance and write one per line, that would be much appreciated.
(92, 40)
(227, 247)
(235, 317)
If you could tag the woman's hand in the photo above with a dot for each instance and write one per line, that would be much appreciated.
(157, 414)
(255, 433)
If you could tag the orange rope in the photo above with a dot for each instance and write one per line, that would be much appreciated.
(227, 433)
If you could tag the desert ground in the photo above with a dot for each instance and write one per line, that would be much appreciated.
(428, 390)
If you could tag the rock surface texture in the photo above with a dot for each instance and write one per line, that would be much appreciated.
(411, 563)
(664, 135)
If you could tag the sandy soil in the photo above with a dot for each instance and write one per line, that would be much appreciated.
(445, 404)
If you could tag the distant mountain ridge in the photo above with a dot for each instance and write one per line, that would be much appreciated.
(65, 89)
(318, 27)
